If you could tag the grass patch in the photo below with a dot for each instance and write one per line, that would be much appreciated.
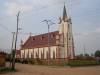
(77, 63)
(6, 70)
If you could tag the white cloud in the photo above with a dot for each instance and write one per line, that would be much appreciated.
(88, 33)
(88, 38)
(13, 8)
(98, 30)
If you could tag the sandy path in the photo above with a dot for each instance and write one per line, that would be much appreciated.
(25, 69)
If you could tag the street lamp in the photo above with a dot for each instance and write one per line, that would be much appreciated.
(48, 24)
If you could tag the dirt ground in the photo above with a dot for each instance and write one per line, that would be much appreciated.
(26, 69)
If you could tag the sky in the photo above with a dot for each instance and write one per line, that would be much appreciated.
(85, 15)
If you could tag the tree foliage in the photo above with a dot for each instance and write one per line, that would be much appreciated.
(97, 53)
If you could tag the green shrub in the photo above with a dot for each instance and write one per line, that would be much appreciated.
(31, 61)
(82, 63)
(6, 69)
(38, 61)
(35, 61)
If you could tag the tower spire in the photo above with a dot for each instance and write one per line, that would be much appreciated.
(64, 13)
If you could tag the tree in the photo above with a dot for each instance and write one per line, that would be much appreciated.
(86, 55)
(97, 53)
(81, 55)
(92, 55)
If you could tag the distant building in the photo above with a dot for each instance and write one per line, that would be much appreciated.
(59, 44)
(2, 59)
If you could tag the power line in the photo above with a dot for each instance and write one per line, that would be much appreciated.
(22, 33)
(46, 6)
(5, 28)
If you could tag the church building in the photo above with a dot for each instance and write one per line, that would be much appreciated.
(53, 45)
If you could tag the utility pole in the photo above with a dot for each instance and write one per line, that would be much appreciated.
(47, 22)
(11, 56)
(14, 51)
(84, 50)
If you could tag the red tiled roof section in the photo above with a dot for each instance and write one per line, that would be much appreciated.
(40, 40)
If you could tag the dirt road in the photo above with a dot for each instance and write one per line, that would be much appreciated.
(25, 69)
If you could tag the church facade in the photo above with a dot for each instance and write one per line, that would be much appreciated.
(58, 45)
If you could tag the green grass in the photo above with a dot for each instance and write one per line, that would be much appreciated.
(6, 70)
(77, 63)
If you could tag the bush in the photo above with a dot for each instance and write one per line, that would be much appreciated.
(74, 63)
(31, 61)
(17, 60)
(97, 53)
(38, 61)
(6, 69)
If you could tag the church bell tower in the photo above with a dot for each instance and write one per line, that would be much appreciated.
(66, 42)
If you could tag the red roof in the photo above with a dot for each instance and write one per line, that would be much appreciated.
(40, 40)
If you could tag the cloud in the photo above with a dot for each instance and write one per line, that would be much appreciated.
(88, 33)
(13, 8)
(88, 38)
(97, 30)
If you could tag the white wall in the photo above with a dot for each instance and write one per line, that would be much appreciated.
(22, 53)
(45, 52)
(35, 51)
(26, 53)
(39, 50)
(52, 49)
(65, 28)
(30, 53)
